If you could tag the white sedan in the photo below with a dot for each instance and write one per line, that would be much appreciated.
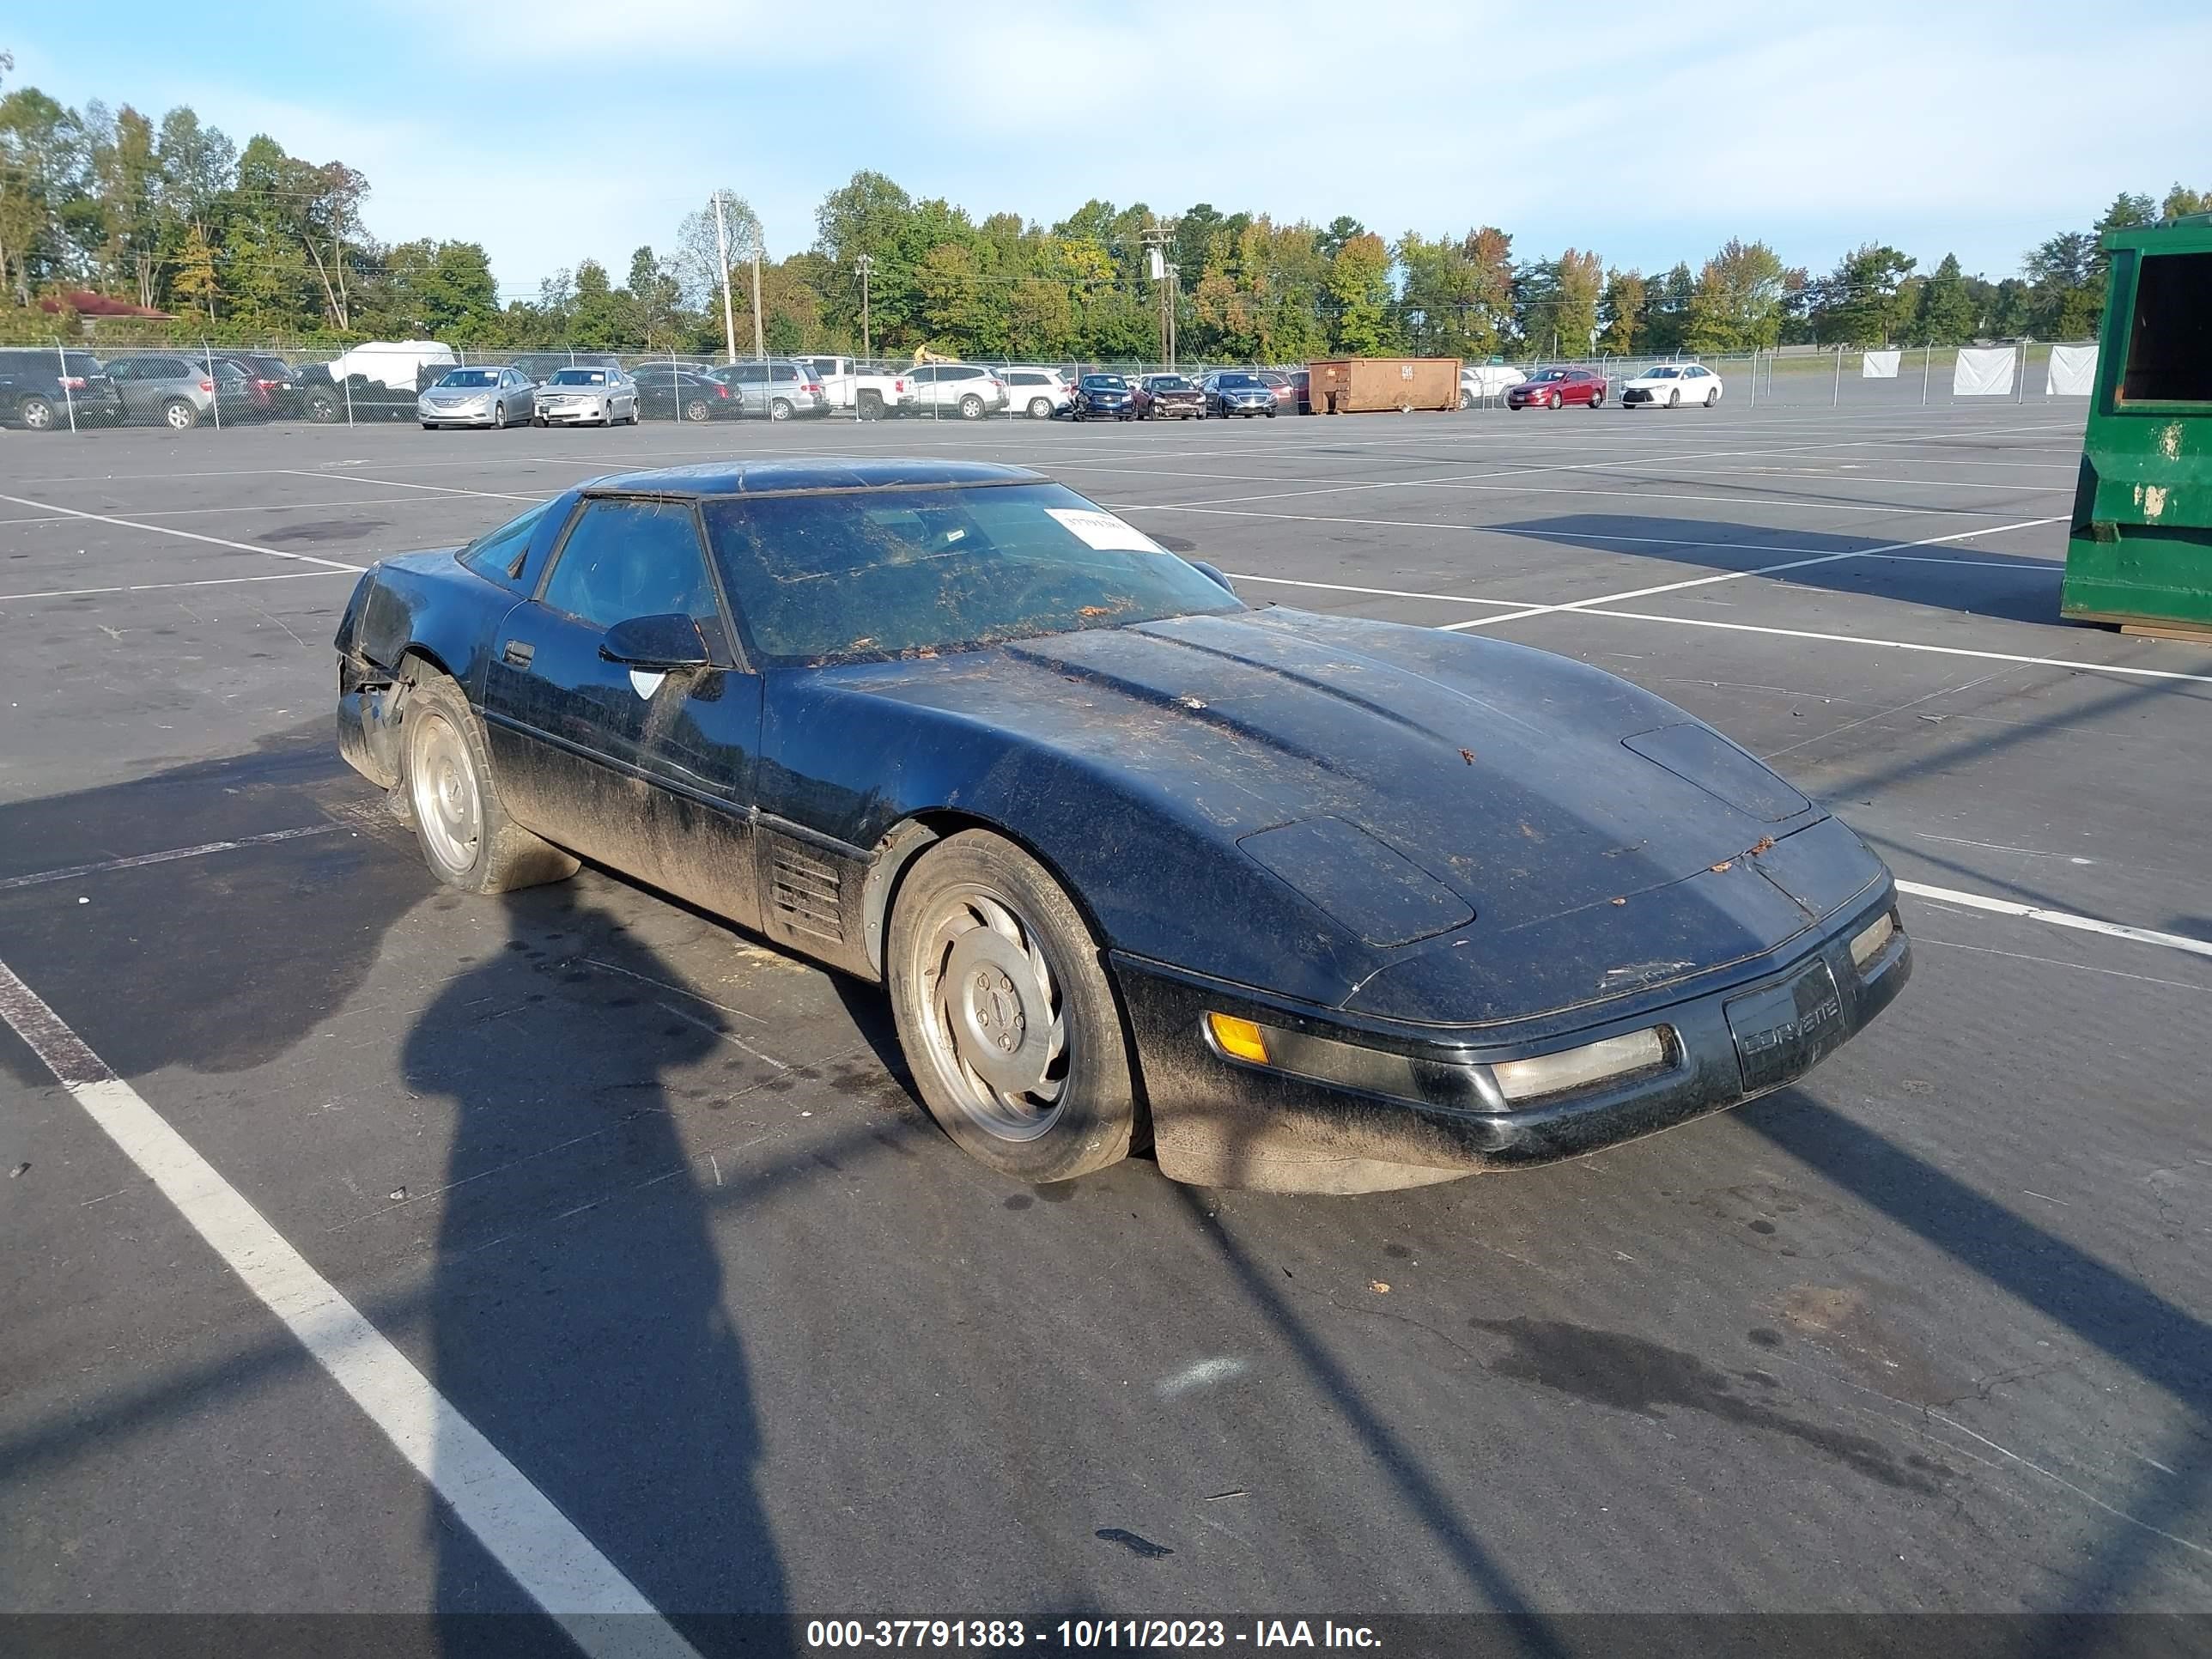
(577, 397)
(1479, 382)
(1671, 386)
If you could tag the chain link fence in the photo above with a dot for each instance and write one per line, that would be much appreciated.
(86, 388)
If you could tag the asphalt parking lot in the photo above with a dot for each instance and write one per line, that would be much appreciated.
(649, 1206)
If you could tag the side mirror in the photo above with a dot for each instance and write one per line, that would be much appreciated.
(657, 642)
(1213, 575)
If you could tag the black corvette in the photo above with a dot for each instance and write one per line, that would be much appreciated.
(1309, 903)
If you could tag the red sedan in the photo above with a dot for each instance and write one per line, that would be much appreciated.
(1555, 388)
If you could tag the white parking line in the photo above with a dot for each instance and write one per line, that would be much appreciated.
(1887, 644)
(1738, 575)
(557, 1567)
(140, 860)
(155, 587)
(395, 484)
(1383, 592)
(187, 535)
(2057, 918)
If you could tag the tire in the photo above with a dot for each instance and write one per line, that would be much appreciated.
(779, 409)
(37, 414)
(1466, 399)
(429, 426)
(537, 420)
(1712, 396)
(1597, 400)
(1040, 409)
(178, 416)
(1555, 402)
(696, 410)
(633, 413)
(869, 406)
(1675, 398)
(466, 836)
(978, 906)
(971, 408)
(1271, 413)
(322, 407)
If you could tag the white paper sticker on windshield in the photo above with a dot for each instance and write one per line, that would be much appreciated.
(1103, 530)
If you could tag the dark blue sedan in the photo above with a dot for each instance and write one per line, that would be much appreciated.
(1104, 396)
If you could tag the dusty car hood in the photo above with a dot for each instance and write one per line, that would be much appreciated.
(1461, 787)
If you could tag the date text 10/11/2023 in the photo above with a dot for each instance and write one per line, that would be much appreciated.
(1086, 1634)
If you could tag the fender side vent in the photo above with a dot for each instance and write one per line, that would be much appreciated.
(803, 890)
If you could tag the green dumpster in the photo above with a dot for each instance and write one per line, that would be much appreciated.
(2140, 551)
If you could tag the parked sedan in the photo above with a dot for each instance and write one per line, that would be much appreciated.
(1133, 863)
(1672, 385)
(477, 396)
(1555, 388)
(1168, 397)
(180, 392)
(685, 392)
(579, 396)
(1231, 391)
(1103, 397)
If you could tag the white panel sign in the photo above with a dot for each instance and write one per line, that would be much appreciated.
(1878, 365)
(2073, 372)
(1983, 372)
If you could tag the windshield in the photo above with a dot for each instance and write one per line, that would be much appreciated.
(863, 576)
(1170, 383)
(1236, 382)
(478, 377)
(1551, 375)
(1661, 374)
(1104, 383)
(579, 377)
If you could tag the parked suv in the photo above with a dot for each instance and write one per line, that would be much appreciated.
(1041, 393)
(180, 392)
(971, 391)
(33, 393)
(778, 388)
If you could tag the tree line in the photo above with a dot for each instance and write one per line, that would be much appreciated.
(253, 243)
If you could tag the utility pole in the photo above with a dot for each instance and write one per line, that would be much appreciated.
(759, 349)
(865, 263)
(722, 249)
(1156, 246)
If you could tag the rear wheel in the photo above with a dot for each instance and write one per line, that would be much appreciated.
(1040, 409)
(1005, 1014)
(178, 416)
(37, 414)
(696, 410)
(779, 409)
(466, 836)
(870, 406)
(322, 407)
(971, 408)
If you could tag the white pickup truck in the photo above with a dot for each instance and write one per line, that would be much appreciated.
(853, 389)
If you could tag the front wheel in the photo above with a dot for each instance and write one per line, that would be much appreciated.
(1712, 396)
(1555, 402)
(466, 836)
(1675, 398)
(1006, 1015)
(971, 408)
(1597, 400)
(1466, 398)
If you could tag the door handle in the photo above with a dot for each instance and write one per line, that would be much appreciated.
(517, 653)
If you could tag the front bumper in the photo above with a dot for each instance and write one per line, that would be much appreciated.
(592, 414)
(1641, 394)
(1186, 409)
(1248, 406)
(464, 415)
(1223, 1122)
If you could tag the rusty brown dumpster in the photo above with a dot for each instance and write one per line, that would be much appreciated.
(1354, 385)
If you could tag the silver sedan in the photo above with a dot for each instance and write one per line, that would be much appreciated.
(477, 396)
(578, 397)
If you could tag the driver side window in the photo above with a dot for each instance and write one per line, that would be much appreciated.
(625, 559)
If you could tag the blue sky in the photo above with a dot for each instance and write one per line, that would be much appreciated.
(552, 131)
